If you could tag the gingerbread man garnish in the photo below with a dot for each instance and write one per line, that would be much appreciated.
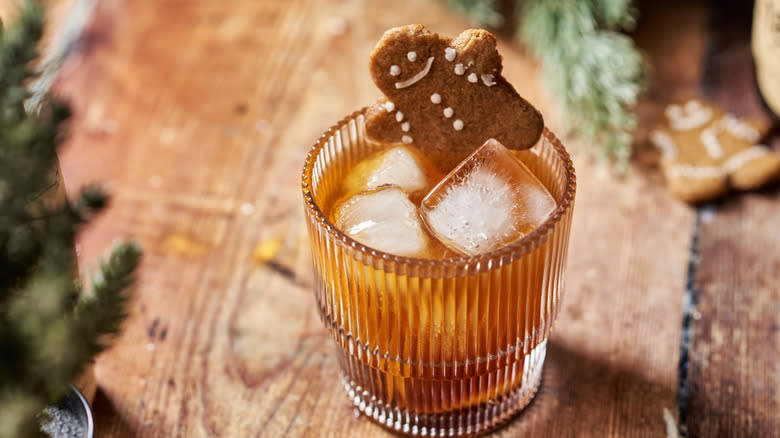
(446, 96)
(706, 151)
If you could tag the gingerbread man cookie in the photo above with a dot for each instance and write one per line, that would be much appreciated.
(706, 151)
(446, 96)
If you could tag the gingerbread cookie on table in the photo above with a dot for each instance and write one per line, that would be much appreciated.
(706, 152)
(446, 96)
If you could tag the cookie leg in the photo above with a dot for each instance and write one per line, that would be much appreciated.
(695, 190)
(757, 173)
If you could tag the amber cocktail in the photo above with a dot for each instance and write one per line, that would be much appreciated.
(437, 346)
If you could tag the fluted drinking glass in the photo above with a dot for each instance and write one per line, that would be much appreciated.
(447, 347)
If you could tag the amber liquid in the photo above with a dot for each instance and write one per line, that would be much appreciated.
(451, 346)
(441, 345)
(434, 363)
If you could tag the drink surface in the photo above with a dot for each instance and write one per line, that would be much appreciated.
(396, 201)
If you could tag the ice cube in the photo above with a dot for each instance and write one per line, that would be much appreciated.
(400, 166)
(383, 219)
(491, 199)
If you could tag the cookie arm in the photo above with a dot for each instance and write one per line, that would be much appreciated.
(381, 123)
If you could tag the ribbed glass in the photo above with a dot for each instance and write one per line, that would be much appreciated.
(449, 347)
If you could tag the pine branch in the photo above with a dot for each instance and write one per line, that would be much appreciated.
(91, 201)
(48, 333)
(480, 11)
(26, 153)
(39, 321)
(100, 315)
(18, 411)
(17, 52)
(615, 14)
(594, 72)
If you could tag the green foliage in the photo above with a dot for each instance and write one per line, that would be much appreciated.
(481, 11)
(50, 329)
(595, 72)
(103, 312)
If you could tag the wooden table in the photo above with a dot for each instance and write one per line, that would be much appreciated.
(197, 116)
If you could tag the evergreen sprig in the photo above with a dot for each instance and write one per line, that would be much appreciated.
(50, 329)
(102, 312)
(595, 72)
(481, 11)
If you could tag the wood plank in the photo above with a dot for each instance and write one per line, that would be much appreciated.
(734, 336)
(734, 332)
(198, 115)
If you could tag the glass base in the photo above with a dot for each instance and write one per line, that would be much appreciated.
(470, 421)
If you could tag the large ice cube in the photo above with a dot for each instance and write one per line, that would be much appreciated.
(490, 200)
(398, 166)
(383, 219)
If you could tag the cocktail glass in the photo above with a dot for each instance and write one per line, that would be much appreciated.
(442, 347)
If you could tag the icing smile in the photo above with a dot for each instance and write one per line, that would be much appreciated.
(414, 79)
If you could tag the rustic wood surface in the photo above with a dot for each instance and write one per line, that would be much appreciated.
(734, 377)
(197, 116)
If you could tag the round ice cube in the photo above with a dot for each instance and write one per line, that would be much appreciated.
(383, 219)
(398, 166)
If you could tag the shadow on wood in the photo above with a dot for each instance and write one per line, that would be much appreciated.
(576, 388)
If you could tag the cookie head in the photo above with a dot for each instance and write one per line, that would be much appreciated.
(446, 96)
(404, 59)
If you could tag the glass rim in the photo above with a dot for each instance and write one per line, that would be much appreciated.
(516, 249)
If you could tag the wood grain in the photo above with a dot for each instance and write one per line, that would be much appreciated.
(197, 115)
(735, 329)
(735, 332)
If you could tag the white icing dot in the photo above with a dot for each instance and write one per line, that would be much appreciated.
(436, 98)
(457, 124)
(488, 80)
(405, 127)
(389, 106)
(399, 116)
(459, 69)
(473, 78)
(395, 70)
(411, 56)
(449, 54)
(406, 139)
(448, 112)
